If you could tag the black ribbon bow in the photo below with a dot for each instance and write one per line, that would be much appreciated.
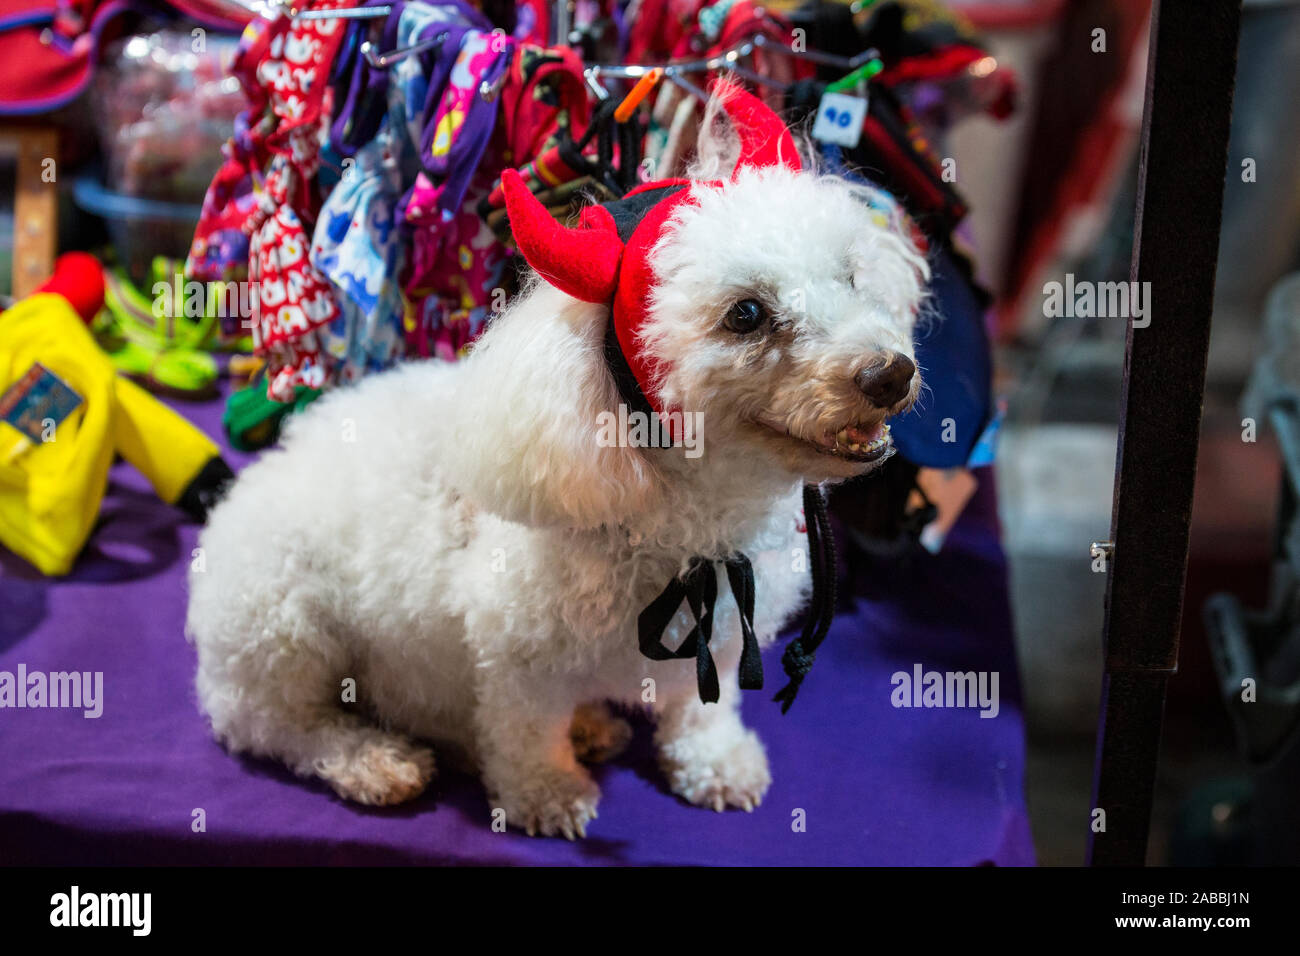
(698, 586)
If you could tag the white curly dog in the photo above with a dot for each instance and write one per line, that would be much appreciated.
(453, 541)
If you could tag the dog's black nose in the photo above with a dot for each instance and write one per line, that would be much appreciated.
(887, 384)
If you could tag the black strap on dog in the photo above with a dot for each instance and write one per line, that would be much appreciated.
(800, 653)
(698, 586)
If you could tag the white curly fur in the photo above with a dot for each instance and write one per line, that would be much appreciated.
(455, 540)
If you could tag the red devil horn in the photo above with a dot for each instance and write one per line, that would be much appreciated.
(582, 261)
(764, 139)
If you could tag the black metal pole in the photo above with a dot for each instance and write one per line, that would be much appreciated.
(1190, 74)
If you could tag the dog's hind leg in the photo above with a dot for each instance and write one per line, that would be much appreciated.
(277, 700)
(362, 762)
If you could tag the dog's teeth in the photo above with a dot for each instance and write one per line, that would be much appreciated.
(855, 447)
(843, 436)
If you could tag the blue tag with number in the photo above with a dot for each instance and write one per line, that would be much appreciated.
(37, 402)
(839, 119)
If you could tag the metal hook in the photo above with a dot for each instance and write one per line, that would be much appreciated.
(260, 8)
(594, 84)
(681, 82)
(490, 91)
(728, 60)
(817, 56)
(633, 71)
(270, 9)
(382, 61)
(731, 62)
(351, 13)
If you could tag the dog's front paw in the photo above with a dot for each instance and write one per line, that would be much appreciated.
(550, 802)
(708, 772)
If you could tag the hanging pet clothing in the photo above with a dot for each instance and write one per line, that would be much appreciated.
(284, 64)
(219, 251)
(455, 261)
(358, 244)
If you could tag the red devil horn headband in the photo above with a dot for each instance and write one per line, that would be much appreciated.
(584, 261)
(764, 139)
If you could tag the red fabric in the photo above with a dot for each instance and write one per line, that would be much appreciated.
(38, 77)
(284, 65)
(529, 119)
(932, 65)
(582, 262)
(632, 300)
(545, 172)
(947, 62)
(745, 19)
(764, 139)
(1079, 132)
(916, 186)
(79, 278)
(659, 27)
(223, 15)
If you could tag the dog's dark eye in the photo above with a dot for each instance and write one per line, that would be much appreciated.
(745, 316)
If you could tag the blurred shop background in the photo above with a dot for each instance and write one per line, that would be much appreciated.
(1069, 208)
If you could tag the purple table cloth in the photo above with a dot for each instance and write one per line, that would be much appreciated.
(855, 779)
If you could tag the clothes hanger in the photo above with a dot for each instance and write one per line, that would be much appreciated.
(727, 60)
(766, 42)
(490, 91)
(273, 8)
(612, 128)
(382, 61)
(857, 78)
(684, 84)
(353, 13)
(847, 63)
(732, 65)
(561, 22)
(594, 84)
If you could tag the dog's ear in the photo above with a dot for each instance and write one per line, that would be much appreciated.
(527, 447)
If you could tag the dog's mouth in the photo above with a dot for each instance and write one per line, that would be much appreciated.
(856, 443)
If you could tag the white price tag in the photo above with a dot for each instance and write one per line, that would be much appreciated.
(839, 119)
